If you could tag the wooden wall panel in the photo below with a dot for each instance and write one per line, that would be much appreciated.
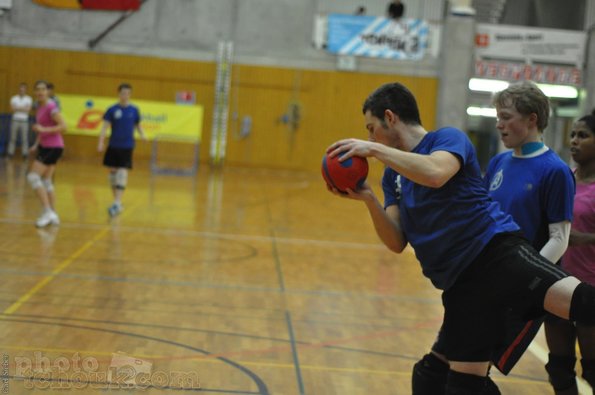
(330, 102)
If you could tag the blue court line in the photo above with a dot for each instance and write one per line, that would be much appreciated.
(232, 334)
(262, 388)
(203, 285)
(278, 268)
(296, 361)
(177, 303)
(367, 324)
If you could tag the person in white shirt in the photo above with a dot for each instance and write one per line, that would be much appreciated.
(21, 106)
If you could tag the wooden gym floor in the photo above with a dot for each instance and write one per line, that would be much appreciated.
(238, 281)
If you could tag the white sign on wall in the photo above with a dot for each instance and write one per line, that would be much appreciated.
(529, 44)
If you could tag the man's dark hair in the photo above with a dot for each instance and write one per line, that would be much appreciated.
(124, 85)
(396, 9)
(395, 97)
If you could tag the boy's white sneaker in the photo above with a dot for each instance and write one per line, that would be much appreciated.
(47, 218)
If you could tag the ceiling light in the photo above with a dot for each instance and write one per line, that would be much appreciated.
(488, 112)
(553, 91)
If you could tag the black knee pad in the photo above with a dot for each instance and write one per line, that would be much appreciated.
(429, 376)
(466, 384)
(491, 388)
(582, 305)
(589, 371)
(561, 371)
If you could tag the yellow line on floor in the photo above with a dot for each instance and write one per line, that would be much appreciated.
(58, 269)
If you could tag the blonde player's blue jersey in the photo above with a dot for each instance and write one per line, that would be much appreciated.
(537, 190)
(448, 226)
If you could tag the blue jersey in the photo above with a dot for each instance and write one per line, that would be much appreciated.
(447, 226)
(123, 121)
(536, 191)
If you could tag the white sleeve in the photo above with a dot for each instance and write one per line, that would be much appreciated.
(558, 242)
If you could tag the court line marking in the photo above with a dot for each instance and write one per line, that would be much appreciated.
(61, 267)
(174, 231)
(294, 354)
(203, 285)
(261, 364)
(57, 270)
(263, 390)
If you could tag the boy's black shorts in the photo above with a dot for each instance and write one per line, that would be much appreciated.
(49, 156)
(508, 273)
(118, 157)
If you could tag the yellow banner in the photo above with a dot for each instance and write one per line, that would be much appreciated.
(165, 121)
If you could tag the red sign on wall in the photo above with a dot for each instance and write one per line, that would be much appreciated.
(546, 74)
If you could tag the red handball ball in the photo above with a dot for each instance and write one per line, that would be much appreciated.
(349, 174)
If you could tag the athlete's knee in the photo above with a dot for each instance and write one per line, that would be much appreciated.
(34, 180)
(469, 384)
(589, 371)
(48, 184)
(429, 376)
(121, 177)
(582, 305)
(112, 179)
(560, 369)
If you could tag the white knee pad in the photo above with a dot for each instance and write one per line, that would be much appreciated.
(121, 178)
(34, 180)
(112, 179)
(47, 183)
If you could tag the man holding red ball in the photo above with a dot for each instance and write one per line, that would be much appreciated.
(435, 199)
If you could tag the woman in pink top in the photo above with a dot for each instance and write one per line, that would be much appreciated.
(579, 258)
(49, 126)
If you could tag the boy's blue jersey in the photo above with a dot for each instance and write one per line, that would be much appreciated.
(448, 226)
(123, 121)
(536, 191)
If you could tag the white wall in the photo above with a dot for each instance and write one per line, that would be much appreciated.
(269, 32)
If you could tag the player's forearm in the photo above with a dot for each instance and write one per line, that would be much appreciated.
(141, 132)
(60, 128)
(389, 232)
(102, 132)
(558, 242)
(421, 169)
(581, 238)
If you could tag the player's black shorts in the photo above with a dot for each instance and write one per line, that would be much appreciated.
(118, 157)
(49, 156)
(508, 273)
